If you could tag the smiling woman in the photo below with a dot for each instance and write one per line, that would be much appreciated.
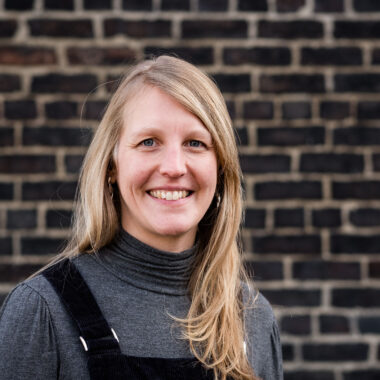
(153, 253)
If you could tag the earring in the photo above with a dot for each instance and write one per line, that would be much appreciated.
(110, 188)
(218, 200)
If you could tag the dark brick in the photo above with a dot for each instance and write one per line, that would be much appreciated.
(213, 5)
(175, 5)
(15, 273)
(357, 136)
(290, 29)
(5, 245)
(283, 83)
(334, 324)
(241, 135)
(56, 136)
(288, 190)
(97, 4)
(62, 5)
(329, 5)
(19, 5)
(137, 5)
(41, 245)
(55, 83)
(234, 83)
(287, 244)
(334, 110)
(355, 244)
(356, 297)
(100, 56)
(289, 5)
(365, 374)
(137, 29)
(58, 218)
(357, 29)
(20, 109)
(9, 83)
(61, 110)
(7, 28)
(274, 163)
(254, 218)
(331, 163)
(369, 110)
(28, 163)
(113, 82)
(366, 5)
(337, 56)
(291, 136)
(376, 162)
(6, 136)
(21, 219)
(356, 190)
(265, 270)
(309, 375)
(6, 192)
(335, 352)
(73, 163)
(296, 325)
(293, 297)
(369, 325)
(365, 217)
(24, 55)
(274, 56)
(48, 190)
(253, 6)
(328, 217)
(357, 82)
(94, 109)
(289, 217)
(214, 29)
(374, 269)
(326, 270)
(231, 109)
(296, 110)
(195, 55)
(376, 57)
(288, 352)
(258, 110)
(61, 28)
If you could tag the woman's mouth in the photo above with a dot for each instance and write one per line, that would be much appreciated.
(169, 195)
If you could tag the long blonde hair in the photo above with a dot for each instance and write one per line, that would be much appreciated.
(214, 325)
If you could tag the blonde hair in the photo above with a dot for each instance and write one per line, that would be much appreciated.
(214, 325)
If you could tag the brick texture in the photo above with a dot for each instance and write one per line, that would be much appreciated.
(302, 83)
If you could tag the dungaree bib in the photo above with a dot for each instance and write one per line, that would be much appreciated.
(105, 360)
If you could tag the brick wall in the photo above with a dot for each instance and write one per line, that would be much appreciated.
(302, 82)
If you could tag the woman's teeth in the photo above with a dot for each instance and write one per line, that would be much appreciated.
(169, 195)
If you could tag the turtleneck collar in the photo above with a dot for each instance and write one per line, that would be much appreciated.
(146, 267)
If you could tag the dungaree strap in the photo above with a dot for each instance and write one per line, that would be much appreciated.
(105, 360)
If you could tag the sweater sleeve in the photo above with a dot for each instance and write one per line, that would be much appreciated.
(28, 348)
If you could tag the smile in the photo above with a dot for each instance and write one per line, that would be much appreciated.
(169, 195)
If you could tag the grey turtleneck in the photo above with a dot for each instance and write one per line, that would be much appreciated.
(137, 288)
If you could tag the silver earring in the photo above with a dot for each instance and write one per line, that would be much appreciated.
(110, 188)
(218, 200)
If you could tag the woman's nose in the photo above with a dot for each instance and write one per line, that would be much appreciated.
(173, 162)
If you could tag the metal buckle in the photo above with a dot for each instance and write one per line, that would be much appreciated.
(84, 344)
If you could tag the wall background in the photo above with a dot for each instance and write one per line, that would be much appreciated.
(302, 82)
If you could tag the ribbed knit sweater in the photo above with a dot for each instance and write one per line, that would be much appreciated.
(138, 289)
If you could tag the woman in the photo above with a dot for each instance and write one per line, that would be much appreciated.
(155, 240)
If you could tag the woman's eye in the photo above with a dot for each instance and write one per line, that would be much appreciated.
(195, 143)
(148, 142)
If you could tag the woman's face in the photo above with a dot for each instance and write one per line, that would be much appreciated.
(166, 171)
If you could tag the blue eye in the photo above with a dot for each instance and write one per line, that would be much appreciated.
(195, 143)
(148, 142)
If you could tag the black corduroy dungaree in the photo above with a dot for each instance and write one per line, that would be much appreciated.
(105, 360)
